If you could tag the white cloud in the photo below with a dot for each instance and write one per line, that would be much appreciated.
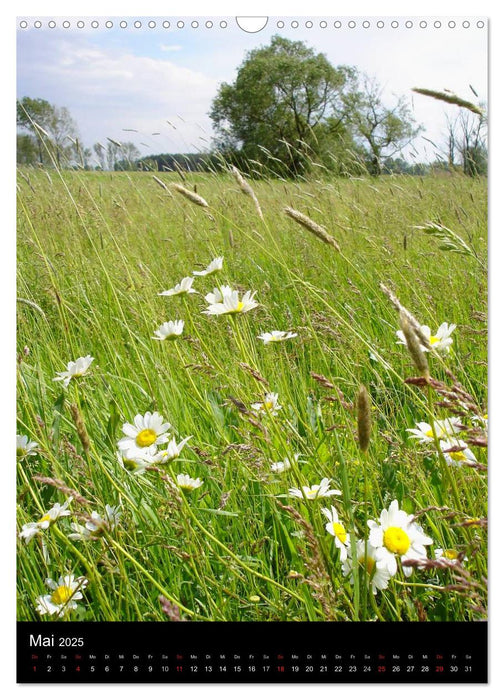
(170, 47)
(108, 90)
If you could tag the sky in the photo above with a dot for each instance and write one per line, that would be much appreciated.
(153, 85)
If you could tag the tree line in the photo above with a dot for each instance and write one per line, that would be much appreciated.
(289, 112)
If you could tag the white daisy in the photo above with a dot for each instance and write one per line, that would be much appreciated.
(279, 467)
(444, 428)
(456, 452)
(213, 267)
(447, 556)
(186, 483)
(337, 530)
(59, 510)
(25, 447)
(397, 534)
(367, 556)
(64, 595)
(170, 452)
(74, 369)
(96, 525)
(269, 406)
(183, 287)
(218, 294)
(231, 304)
(149, 429)
(135, 460)
(441, 341)
(321, 490)
(276, 336)
(169, 330)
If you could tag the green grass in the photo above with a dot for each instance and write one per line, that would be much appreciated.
(95, 250)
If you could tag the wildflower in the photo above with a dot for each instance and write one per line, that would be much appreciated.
(456, 452)
(482, 421)
(170, 452)
(74, 369)
(231, 304)
(64, 595)
(279, 467)
(337, 530)
(254, 599)
(183, 287)
(276, 336)
(448, 556)
(186, 483)
(59, 510)
(367, 556)
(269, 406)
(218, 294)
(315, 491)
(25, 447)
(441, 341)
(169, 330)
(147, 430)
(213, 267)
(135, 460)
(444, 428)
(397, 534)
(96, 525)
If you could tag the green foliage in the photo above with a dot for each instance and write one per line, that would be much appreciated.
(96, 248)
(280, 101)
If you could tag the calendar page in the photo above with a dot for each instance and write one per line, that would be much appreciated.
(252, 349)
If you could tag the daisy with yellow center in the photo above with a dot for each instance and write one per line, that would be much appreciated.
(444, 428)
(65, 593)
(269, 406)
(315, 491)
(439, 341)
(25, 447)
(59, 510)
(276, 336)
(231, 303)
(146, 431)
(397, 535)
(186, 483)
(74, 369)
(337, 530)
(368, 557)
(456, 452)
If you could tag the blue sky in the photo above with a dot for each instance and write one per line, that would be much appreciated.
(162, 80)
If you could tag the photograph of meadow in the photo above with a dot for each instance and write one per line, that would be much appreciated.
(251, 373)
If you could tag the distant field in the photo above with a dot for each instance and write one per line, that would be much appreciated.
(96, 249)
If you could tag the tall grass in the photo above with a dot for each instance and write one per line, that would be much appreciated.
(95, 250)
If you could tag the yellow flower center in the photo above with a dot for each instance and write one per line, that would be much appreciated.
(450, 554)
(146, 437)
(240, 306)
(61, 595)
(429, 433)
(457, 456)
(368, 562)
(433, 340)
(20, 452)
(187, 487)
(339, 532)
(268, 405)
(396, 540)
(45, 518)
(312, 492)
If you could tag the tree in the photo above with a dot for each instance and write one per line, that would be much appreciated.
(282, 96)
(52, 127)
(26, 149)
(382, 130)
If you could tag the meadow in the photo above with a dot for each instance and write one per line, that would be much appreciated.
(220, 527)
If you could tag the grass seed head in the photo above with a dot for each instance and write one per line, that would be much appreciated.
(417, 355)
(191, 196)
(312, 226)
